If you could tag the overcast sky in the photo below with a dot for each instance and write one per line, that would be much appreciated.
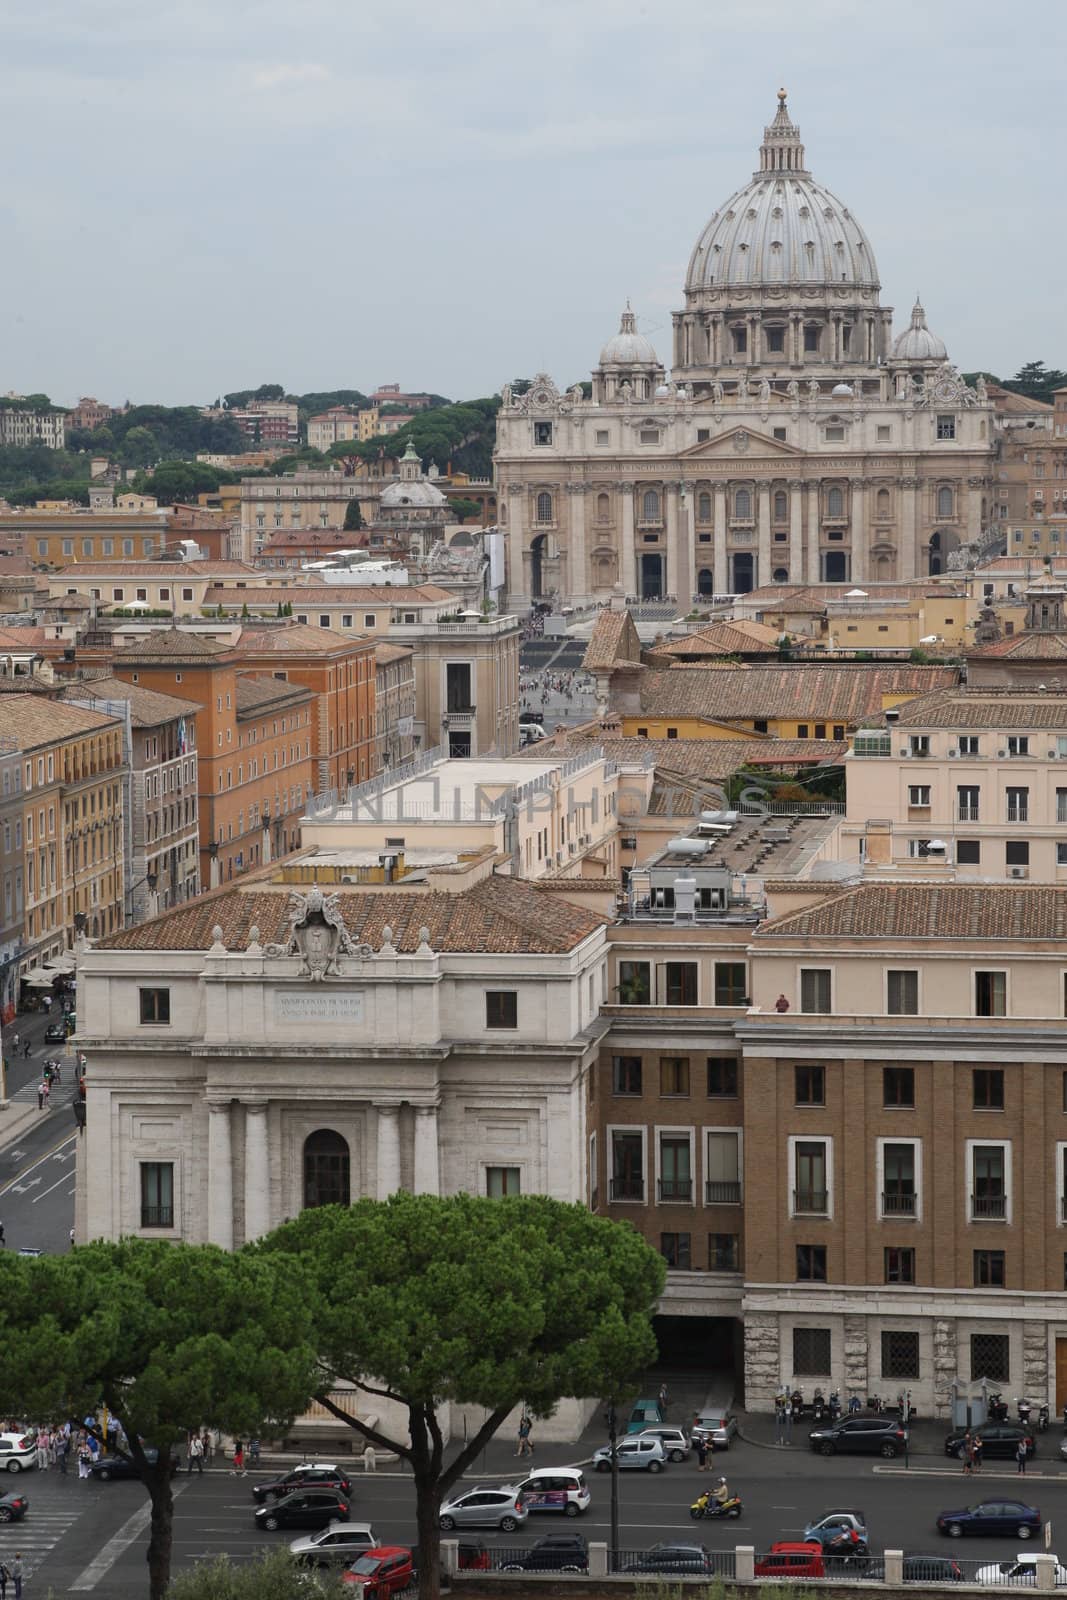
(450, 193)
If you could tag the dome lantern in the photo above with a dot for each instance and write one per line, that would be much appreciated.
(781, 150)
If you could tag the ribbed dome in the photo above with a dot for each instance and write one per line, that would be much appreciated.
(628, 348)
(917, 343)
(782, 227)
(419, 493)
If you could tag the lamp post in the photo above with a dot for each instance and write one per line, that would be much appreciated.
(151, 878)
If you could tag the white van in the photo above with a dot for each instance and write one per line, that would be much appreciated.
(555, 1489)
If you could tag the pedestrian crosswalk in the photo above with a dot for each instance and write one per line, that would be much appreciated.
(51, 1513)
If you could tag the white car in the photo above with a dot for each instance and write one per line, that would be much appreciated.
(337, 1543)
(1019, 1573)
(18, 1451)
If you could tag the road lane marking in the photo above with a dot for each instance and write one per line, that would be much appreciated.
(18, 1177)
(46, 1192)
(116, 1546)
(63, 1158)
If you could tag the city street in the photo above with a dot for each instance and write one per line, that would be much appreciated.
(37, 1169)
(781, 1490)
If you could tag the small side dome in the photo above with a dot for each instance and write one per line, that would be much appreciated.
(662, 391)
(917, 342)
(628, 348)
(842, 389)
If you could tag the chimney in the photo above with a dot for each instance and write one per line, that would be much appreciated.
(878, 842)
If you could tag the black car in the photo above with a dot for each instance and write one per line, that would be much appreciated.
(674, 1558)
(556, 1552)
(55, 1032)
(321, 1474)
(920, 1569)
(867, 1436)
(1008, 1517)
(105, 1467)
(999, 1439)
(13, 1507)
(304, 1508)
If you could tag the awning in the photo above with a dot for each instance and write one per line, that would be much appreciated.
(38, 980)
(63, 963)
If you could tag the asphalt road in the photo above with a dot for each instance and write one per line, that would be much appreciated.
(104, 1551)
(37, 1171)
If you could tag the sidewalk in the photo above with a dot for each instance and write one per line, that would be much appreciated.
(22, 1111)
(925, 1437)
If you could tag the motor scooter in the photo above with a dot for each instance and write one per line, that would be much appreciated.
(996, 1409)
(1023, 1408)
(835, 1405)
(818, 1405)
(1042, 1418)
(706, 1508)
(874, 1403)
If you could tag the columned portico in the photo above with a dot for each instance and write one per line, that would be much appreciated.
(257, 1170)
(220, 1174)
(427, 1161)
(388, 1150)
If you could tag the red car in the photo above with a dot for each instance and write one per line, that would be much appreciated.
(383, 1571)
(784, 1560)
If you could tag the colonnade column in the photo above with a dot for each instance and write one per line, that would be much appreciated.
(796, 531)
(631, 578)
(516, 575)
(427, 1159)
(687, 546)
(578, 583)
(388, 1150)
(813, 533)
(907, 554)
(763, 533)
(257, 1170)
(721, 574)
(219, 1174)
(858, 488)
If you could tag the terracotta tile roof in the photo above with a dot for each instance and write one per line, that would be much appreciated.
(931, 911)
(724, 639)
(614, 638)
(168, 645)
(257, 694)
(28, 639)
(386, 654)
(32, 720)
(298, 638)
(1008, 400)
(1023, 647)
(68, 602)
(700, 758)
(157, 570)
(498, 915)
(1023, 563)
(815, 596)
(816, 693)
(984, 708)
(148, 708)
(325, 594)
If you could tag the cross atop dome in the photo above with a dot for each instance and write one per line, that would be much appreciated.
(781, 150)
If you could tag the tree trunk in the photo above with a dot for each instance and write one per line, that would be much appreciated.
(157, 1482)
(427, 1511)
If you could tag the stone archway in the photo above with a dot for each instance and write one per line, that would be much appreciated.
(327, 1169)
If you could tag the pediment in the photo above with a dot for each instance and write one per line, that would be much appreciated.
(740, 442)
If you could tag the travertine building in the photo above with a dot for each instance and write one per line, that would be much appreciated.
(799, 442)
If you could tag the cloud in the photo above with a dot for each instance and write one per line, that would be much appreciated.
(276, 75)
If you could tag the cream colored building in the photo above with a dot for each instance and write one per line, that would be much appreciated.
(331, 426)
(799, 441)
(315, 498)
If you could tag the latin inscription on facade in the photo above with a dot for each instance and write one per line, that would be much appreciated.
(318, 1005)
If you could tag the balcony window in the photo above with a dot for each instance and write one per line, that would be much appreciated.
(724, 1252)
(919, 744)
(626, 1074)
(919, 796)
(157, 1194)
(811, 1195)
(899, 1265)
(674, 1075)
(811, 1266)
(458, 686)
(731, 983)
(946, 427)
(989, 1188)
(723, 1077)
(898, 1087)
(1018, 805)
(680, 983)
(968, 796)
(810, 1084)
(902, 992)
(991, 994)
(815, 988)
(675, 1167)
(899, 1198)
(723, 1169)
(635, 983)
(627, 1165)
(675, 1250)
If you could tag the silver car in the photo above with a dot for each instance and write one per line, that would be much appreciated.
(715, 1426)
(483, 1508)
(636, 1453)
(337, 1543)
(675, 1441)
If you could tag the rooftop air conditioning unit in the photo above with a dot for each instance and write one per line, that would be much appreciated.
(1002, 754)
(559, 858)
(1054, 755)
(953, 753)
(1018, 872)
(903, 752)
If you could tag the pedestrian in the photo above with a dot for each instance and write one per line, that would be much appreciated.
(3, 1237)
(663, 1399)
(525, 1444)
(72, 1238)
(15, 1038)
(781, 1004)
(40, 1097)
(967, 1452)
(370, 1459)
(1020, 1456)
(26, 1051)
(47, 1004)
(4, 1576)
(16, 1574)
(702, 1453)
(196, 1454)
(978, 1448)
(85, 1460)
(46, 1090)
(253, 1454)
(42, 1450)
(62, 1451)
(238, 1469)
(209, 1449)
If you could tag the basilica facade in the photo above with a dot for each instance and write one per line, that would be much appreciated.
(795, 441)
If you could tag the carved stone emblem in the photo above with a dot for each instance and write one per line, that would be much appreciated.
(317, 934)
(740, 441)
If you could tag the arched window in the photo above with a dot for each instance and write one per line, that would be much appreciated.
(743, 503)
(650, 506)
(780, 574)
(781, 505)
(944, 502)
(705, 582)
(603, 508)
(835, 503)
(704, 507)
(327, 1169)
(883, 503)
(544, 506)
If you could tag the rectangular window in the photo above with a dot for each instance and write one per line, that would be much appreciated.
(988, 1083)
(724, 1252)
(989, 1190)
(627, 1166)
(946, 427)
(674, 1075)
(635, 983)
(899, 1265)
(919, 795)
(815, 989)
(811, 1195)
(722, 1178)
(602, 436)
(811, 1352)
(902, 992)
(155, 1005)
(898, 1087)
(458, 686)
(811, 1264)
(680, 983)
(157, 1194)
(1018, 805)
(626, 1074)
(775, 339)
(674, 1248)
(731, 983)
(883, 433)
(542, 433)
(967, 744)
(900, 1349)
(1018, 744)
(500, 1181)
(1017, 853)
(898, 1180)
(968, 852)
(991, 1357)
(722, 1076)
(967, 799)
(990, 994)
(989, 1273)
(675, 1167)
(501, 1008)
(810, 1083)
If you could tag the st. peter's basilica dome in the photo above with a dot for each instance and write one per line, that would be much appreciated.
(628, 348)
(917, 343)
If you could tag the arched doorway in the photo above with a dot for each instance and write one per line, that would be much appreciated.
(651, 577)
(743, 567)
(705, 581)
(327, 1169)
(537, 558)
(942, 543)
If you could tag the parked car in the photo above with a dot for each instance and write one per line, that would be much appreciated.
(992, 1516)
(919, 1569)
(483, 1508)
(313, 1507)
(106, 1467)
(635, 1453)
(556, 1552)
(325, 1475)
(675, 1441)
(788, 1559)
(17, 1451)
(999, 1439)
(336, 1544)
(829, 1527)
(13, 1507)
(55, 1032)
(715, 1427)
(645, 1414)
(868, 1436)
(472, 1555)
(381, 1572)
(554, 1489)
(687, 1558)
(1019, 1573)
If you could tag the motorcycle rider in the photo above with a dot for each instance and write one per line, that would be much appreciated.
(720, 1492)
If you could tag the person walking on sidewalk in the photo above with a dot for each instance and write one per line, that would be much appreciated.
(1022, 1450)
(701, 1446)
(40, 1097)
(525, 1445)
(196, 1454)
(16, 1574)
(238, 1470)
